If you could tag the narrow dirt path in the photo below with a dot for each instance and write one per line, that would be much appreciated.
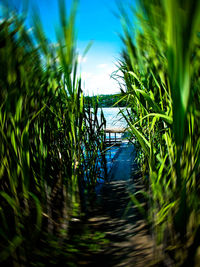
(115, 215)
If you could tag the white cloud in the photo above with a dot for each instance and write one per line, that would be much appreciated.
(96, 72)
(81, 59)
(99, 83)
(86, 75)
(102, 66)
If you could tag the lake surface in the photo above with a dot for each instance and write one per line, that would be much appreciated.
(113, 118)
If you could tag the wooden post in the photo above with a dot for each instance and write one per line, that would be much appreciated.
(113, 139)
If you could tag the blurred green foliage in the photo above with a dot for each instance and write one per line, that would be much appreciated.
(160, 66)
(50, 142)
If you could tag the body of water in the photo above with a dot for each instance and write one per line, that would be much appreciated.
(113, 118)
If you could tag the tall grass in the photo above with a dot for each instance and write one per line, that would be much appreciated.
(45, 136)
(160, 67)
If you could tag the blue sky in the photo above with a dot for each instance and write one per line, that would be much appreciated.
(96, 22)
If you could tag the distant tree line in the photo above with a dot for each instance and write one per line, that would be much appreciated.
(107, 100)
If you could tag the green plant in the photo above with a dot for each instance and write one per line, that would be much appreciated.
(43, 132)
(160, 66)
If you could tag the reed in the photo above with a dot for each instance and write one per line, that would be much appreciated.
(160, 67)
(45, 138)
